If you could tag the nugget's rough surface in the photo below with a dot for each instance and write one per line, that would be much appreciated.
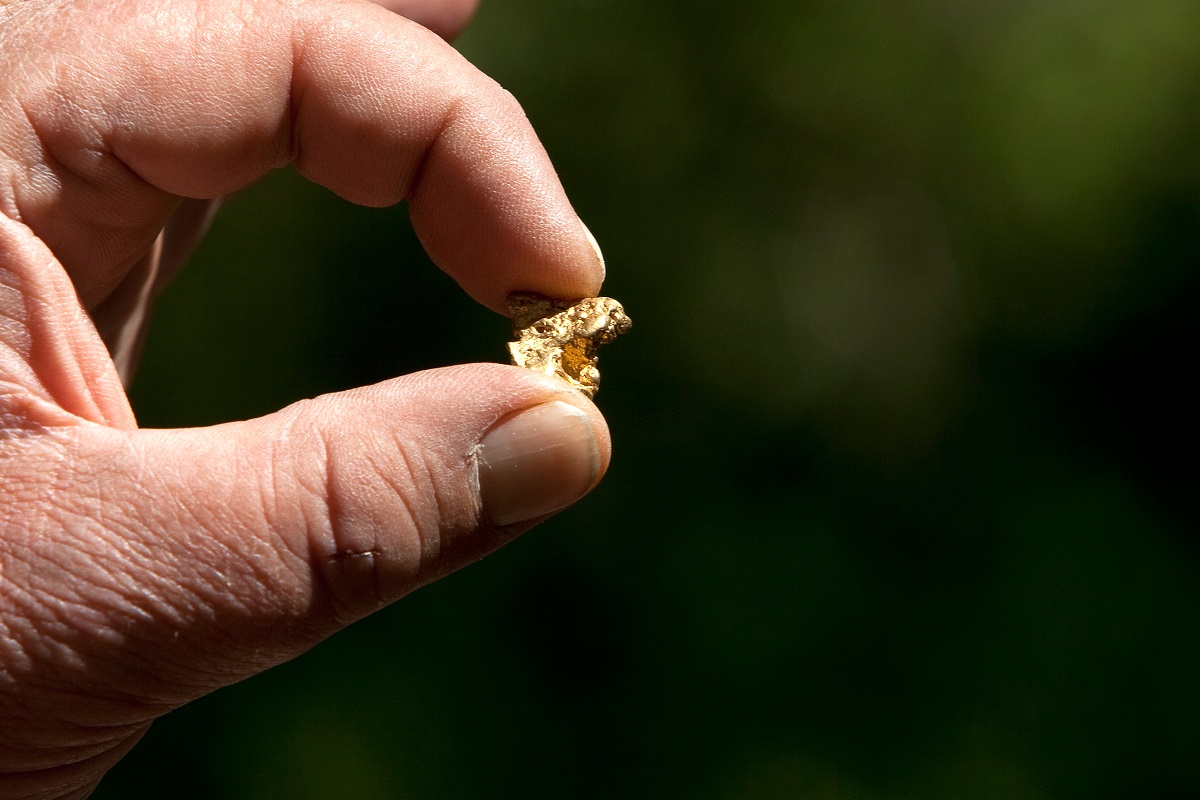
(560, 337)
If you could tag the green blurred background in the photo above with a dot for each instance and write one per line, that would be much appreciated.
(903, 502)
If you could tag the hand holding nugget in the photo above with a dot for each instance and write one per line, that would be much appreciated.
(140, 569)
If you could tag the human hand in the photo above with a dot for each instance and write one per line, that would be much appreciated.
(140, 569)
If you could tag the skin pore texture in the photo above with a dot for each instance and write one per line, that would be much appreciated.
(141, 569)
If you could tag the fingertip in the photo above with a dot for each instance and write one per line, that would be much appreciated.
(484, 198)
(559, 392)
(536, 462)
(571, 268)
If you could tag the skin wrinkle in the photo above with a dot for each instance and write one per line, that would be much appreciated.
(91, 613)
(130, 547)
(295, 97)
(59, 366)
(326, 542)
(421, 529)
(314, 486)
(295, 558)
(31, 167)
(265, 556)
(88, 173)
(118, 613)
(32, 416)
(449, 119)
(87, 741)
(270, 605)
(115, 604)
(8, 204)
(15, 400)
(278, 464)
(263, 559)
(60, 106)
(205, 39)
(345, 541)
(135, 706)
(34, 683)
(216, 564)
(172, 698)
(59, 613)
(201, 123)
(100, 229)
(426, 125)
(71, 780)
(426, 528)
(430, 545)
(95, 169)
(14, 315)
(42, 742)
(17, 613)
(117, 609)
(203, 565)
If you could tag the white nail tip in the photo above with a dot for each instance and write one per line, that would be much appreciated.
(595, 246)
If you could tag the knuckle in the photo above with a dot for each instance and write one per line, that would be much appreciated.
(375, 534)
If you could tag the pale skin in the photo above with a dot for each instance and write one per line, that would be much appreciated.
(141, 569)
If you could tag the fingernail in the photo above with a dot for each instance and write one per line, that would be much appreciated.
(595, 245)
(537, 462)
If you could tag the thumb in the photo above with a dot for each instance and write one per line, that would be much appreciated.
(144, 568)
(259, 538)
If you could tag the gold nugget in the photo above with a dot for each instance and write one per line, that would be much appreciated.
(560, 337)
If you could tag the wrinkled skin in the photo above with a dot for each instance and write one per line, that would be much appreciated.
(140, 569)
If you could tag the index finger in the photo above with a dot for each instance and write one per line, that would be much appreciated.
(197, 100)
(483, 196)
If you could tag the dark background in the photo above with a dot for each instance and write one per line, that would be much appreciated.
(903, 502)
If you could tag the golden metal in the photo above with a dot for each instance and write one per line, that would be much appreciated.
(560, 337)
